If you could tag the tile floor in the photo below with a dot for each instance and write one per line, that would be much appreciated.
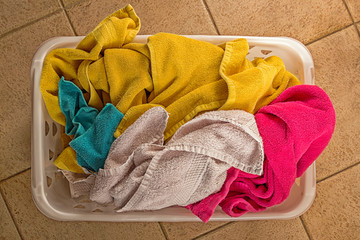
(329, 28)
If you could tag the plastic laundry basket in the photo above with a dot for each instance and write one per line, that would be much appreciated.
(50, 190)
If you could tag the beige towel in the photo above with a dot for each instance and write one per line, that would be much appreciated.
(194, 163)
(127, 153)
(231, 136)
(143, 174)
(80, 184)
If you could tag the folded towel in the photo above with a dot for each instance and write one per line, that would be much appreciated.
(296, 127)
(92, 131)
(143, 174)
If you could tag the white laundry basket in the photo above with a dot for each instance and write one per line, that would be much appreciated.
(50, 190)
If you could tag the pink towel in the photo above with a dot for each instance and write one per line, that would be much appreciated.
(296, 128)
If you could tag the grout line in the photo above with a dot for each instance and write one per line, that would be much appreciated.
(30, 23)
(348, 10)
(336, 31)
(214, 230)
(304, 226)
(68, 18)
(343, 170)
(352, 19)
(12, 217)
(357, 28)
(163, 231)
(14, 175)
(211, 17)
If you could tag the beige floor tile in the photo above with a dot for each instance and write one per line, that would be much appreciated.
(289, 229)
(7, 226)
(354, 7)
(189, 230)
(180, 17)
(69, 2)
(304, 20)
(17, 51)
(337, 71)
(31, 222)
(335, 211)
(16, 13)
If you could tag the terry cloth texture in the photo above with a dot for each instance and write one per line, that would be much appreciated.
(79, 184)
(143, 174)
(295, 128)
(183, 75)
(92, 130)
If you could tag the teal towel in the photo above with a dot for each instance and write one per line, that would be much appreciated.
(93, 131)
(79, 116)
(93, 146)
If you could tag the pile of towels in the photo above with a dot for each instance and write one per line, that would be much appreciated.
(177, 121)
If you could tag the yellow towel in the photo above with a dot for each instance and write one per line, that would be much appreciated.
(67, 161)
(191, 76)
(114, 31)
(185, 76)
(79, 64)
(255, 84)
